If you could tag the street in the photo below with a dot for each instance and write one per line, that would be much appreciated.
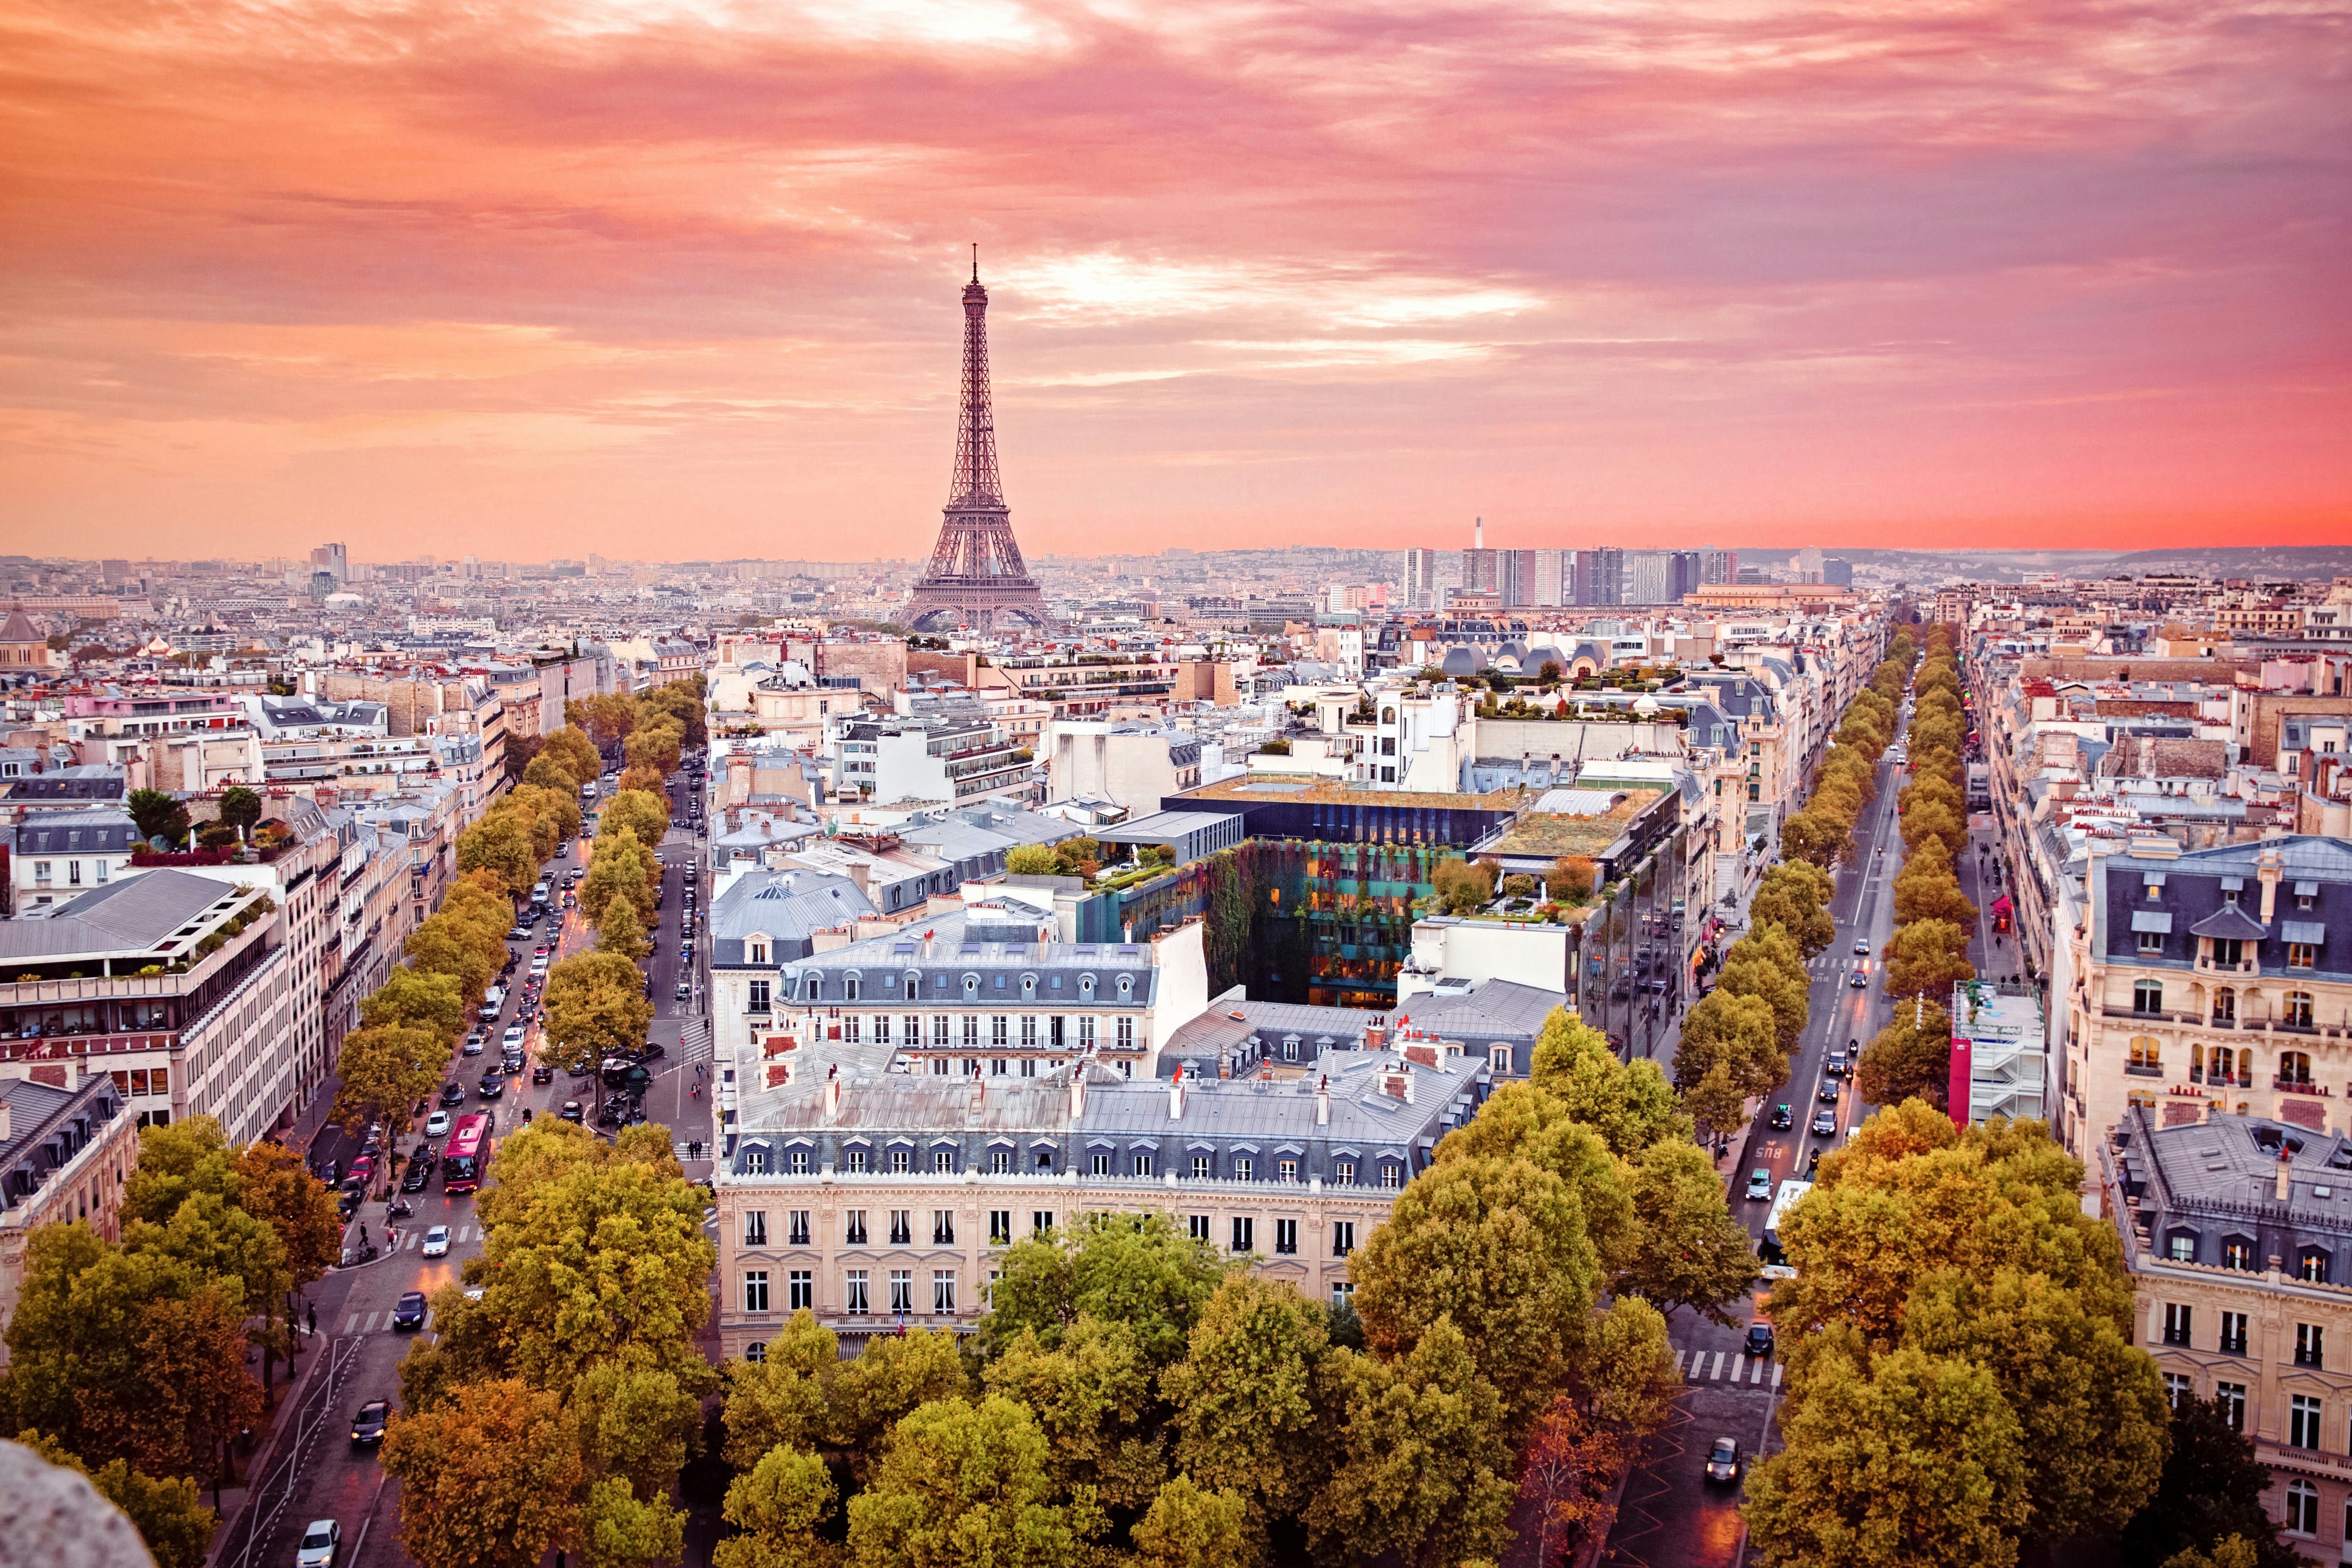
(311, 1470)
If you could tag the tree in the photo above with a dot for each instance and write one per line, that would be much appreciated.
(520, 750)
(1497, 1249)
(385, 1070)
(596, 1005)
(417, 999)
(1089, 1395)
(1784, 993)
(1737, 1037)
(964, 1485)
(618, 1528)
(638, 1424)
(1248, 1417)
(1691, 1252)
(575, 754)
(643, 812)
(1794, 896)
(619, 869)
(1032, 860)
(177, 1163)
(1909, 1058)
(1133, 1269)
(547, 770)
(1628, 1378)
(894, 1376)
(1188, 1527)
(655, 746)
(274, 1186)
(440, 945)
(1938, 820)
(158, 815)
(1629, 1106)
(198, 1394)
(2211, 1491)
(1425, 1458)
(1927, 959)
(781, 1401)
(487, 1481)
(1915, 1461)
(1569, 879)
(778, 1505)
(621, 934)
(1817, 836)
(170, 1515)
(240, 808)
(649, 780)
(1571, 1468)
(500, 844)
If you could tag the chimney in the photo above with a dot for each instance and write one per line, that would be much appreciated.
(1176, 1096)
(1376, 1036)
(779, 1074)
(832, 1094)
(2285, 1177)
(1422, 1052)
(1477, 533)
(1323, 1100)
(1397, 1083)
(1225, 1061)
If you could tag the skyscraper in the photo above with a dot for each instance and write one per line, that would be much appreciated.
(1421, 571)
(1600, 577)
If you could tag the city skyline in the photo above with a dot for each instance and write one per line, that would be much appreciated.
(1768, 280)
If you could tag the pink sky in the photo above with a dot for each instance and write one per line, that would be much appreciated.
(679, 279)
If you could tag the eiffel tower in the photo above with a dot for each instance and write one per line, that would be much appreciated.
(976, 576)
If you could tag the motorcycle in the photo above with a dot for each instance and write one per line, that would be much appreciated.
(400, 1209)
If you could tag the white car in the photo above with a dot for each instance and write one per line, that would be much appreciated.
(513, 1036)
(436, 1241)
(437, 1124)
(319, 1544)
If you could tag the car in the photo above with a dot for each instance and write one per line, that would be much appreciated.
(424, 1160)
(1782, 1119)
(474, 1043)
(1828, 1093)
(1723, 1461)
(320, 1541)
(1861, 948)
(511, 1064)
(331, 1173)
(362, 1167)
(542, 1073)
(513, 1037)
(1859, 980)
(436, 1241)
(651, 1050)
(413, 1180)
(1760, 1183)
(493, 1085)
(682, 990)
(539, 953)
(1760, 1339)
(519, 933)
(453, 1093)
(437, 1124)
(408, 1312)
(571, 1111)
(1825, 1124)
(1834, 1064)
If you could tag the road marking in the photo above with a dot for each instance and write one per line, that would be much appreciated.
(1759, 1373)
(1679, 1357)
(1776, 1380)
(350, 1325)
(1717, 1374)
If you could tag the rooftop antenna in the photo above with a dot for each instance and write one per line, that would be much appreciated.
(975, 261)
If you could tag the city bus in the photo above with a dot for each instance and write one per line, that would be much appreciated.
(467, 1156)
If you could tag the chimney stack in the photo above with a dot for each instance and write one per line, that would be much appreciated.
(1176, 1096)
(1323, 1100)
(1376, 1036)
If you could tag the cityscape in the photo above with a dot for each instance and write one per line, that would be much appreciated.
(1600, 825)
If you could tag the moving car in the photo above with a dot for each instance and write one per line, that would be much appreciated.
(367, 1426)
(1861, 948)
(1760, 1183)
(542, 1073)
(684, 990)
(320, 1541)
(1828, 1094)
(1760, 1339)
(1782, 1119)
(453, 1093)
(513, 1037)
(1723, 1461)
(413, 1180)
(437, 1124)
(571, 1111)
(474, 1043)
(493, 1084)
(436, 1241)
(409, 1314)
(1825, 1124)
(1859, 980)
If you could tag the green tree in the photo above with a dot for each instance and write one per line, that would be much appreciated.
(892, 1376)
(417, 999)
(218, 1239)
(1915, 1462)
(1786, 994)
(1630, 1105)
(620, 867)
(778, 1505)
(546, 770)
(1090, 1396)
(1927, 959)
(158, 815)
(1692, 1253)
(1938, 820)
(170, 1515)
(1248, 1417)
(1187, 1527)
(240, 808)
(621, 934)
(967, 1486)
(655, 746)
(783, 1401)
(1134, 1268)
(2210, 1492)
(489, 1480)
(618, 1528)
(637, 1424)
(1794, 895)
(1730, 1051)
(645, 813)
(1820, 836)
(596, 1005)
(500, 844)
(177, 1163)
(1909, 1058)
(440, 945)
(1425, 1460)
(574, 754)
(384, 1072)
(1032, 860)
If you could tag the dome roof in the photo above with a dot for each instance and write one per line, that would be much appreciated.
(1461, 661)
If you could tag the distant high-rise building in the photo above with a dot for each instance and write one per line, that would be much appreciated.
(1546, 578)
(1838, 571)
(114, 571)
(1421, 579)
(1600, 577)
(1659, 576)
(330, 559)
(1807, 567)
(1719, 566)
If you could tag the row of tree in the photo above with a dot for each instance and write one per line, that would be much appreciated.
(648, 730)
(1927, 954)
(1134, 1397)
(129, 1360)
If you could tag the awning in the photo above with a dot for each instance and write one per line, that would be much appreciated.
(2151, 919)
(2313, 931)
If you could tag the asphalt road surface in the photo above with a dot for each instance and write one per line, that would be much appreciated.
(312, 1470)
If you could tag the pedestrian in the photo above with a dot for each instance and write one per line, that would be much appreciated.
(314, 1320)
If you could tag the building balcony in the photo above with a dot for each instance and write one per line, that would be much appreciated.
(2151, 1071)
(2215, 966)
(2298, 1086)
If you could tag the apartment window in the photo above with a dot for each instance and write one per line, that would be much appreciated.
(756, 1351)
(755, 1291)
(2301, 1505)
(797, 1161)
(1203, 1167)
(755, 1163)
(1028, 1066)
(2148, 996)
(1245, 1233)
(40, 871)
(2233, 1333)
(1142, 1164)
(853, 1029)
(800, 1285)
(2151, 943)
(943, 1227)
(971, 1031)
(1196, 1226)
(853, 1292)
(102, 870)
(943, 1161)
(2176, 1318)
(910, 1029)
(1391, 1175)
(1028, 1031)
(853, 1231)
(1127, 1033)
(2232, 1396)
(2178, 1388)
(1343, 1295)
(799, 1226)
(902, 1289)
(1286, 1235)
(1343, 1172)
(939, 1028)
(2238, 1255)
(2225, 1005)
(902, 1228)
(1100, 1163)
(1040, 1221)
(1245, 1169)
(1286, 1170)
(1290, 1050)
(2310, 1341)
(2228, 951)
(755, 1228)
(1086, 1033)
(853, 1162)
(999, 1226)
(971, 1066)
(2297, 1011)
(2146, 1052)
(1343, 1237)
(942, 1291)
(2303, 1421)
(902, 1161)
(2312, 1266)
(939, 1067)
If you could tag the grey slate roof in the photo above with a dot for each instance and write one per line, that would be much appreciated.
(787, 906)
(133, 916)
(947, 950)
(76, 832)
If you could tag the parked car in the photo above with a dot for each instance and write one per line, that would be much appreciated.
(436, 1241)
(1759, 1183)
(1782, 1119)
(542, 1073)
(320, 1543)
(437, 1124)
(571, 1111)
(1723, 1461)
(330, 1171)
(409, 1313)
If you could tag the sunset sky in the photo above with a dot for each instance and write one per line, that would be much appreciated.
(679, 279)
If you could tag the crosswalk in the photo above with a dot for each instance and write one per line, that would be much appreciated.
(1745, 1369)
(458, 1236)
(376, 1322)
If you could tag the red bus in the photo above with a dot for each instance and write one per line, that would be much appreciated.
(467, 1156)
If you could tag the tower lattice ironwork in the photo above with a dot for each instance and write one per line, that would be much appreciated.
(976, 574)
